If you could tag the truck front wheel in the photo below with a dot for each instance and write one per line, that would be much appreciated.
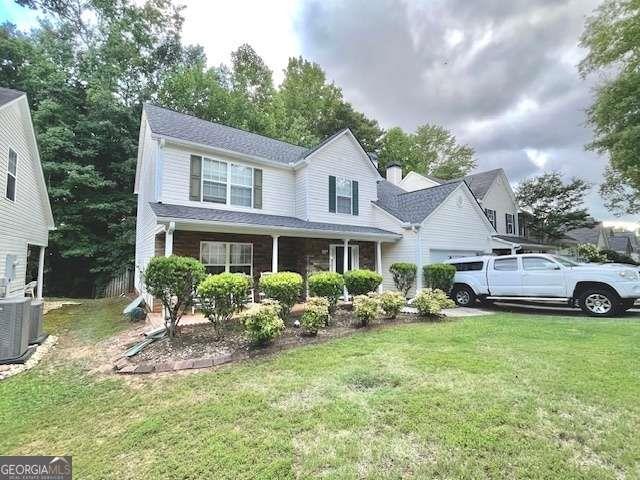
(463, 296)
(599, 303)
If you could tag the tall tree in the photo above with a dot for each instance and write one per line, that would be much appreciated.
(612, 39)
(556, 206)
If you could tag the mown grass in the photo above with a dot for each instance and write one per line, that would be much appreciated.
(502, 396)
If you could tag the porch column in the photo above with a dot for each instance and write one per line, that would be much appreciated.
(274, 254)
(168, 239)
(40, 273)
(379, 262)
(418, 259)
(345, 265)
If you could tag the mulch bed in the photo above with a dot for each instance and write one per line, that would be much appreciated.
(196, 346)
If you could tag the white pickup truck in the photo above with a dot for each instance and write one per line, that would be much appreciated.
(598, 289)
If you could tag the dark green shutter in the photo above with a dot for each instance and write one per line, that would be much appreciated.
(354, 195)
(257, 188)
(195, 178)
(332, 193)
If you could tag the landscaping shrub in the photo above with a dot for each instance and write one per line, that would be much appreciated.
(285, 287)
(222, 296)
(591, 253)
(173, 281)
(430, 302)
(366, 308)
(439, 275)
(404, 276)
(391, 303)
(361, 282)
(613, 256)
(262, 322)
(328, 285)
(316, 315)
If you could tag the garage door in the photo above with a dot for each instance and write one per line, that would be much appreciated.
(442, 255)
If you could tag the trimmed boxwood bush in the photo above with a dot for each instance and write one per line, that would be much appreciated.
(316, 315)
(404, 276)
(613, 256)
(366, 308)
(430, 302)
(173, 281)
(328, 285)
(361, 282)
(285, 287)
(262, 322)
(439, 275)
(222, 296)
(391, 303)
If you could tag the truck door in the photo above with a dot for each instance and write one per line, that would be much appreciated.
(504, 277)
(542, 277)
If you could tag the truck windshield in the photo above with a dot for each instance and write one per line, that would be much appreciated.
(565, 261)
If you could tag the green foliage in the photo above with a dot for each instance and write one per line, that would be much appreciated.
(329, 285)
(439, 275)
(173, 281)
(262, 322)
(285, 287)
(391, 303)
(556, 207)
(431, 150)
(613, 256)
(404, 276)
(430, 302)
(316, 315)
(366, 308)
(222, 296)
(361, 282)
(612, 40)
(591, 253)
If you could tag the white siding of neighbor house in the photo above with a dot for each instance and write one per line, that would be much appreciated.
(455, 225)
(499, 198)
(342, 157)
(26, 220)
(146, 219)
(414, 181)
(278, 184)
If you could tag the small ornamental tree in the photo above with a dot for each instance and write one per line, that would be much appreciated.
(361, 282)
(591, 253)
(222, 296)
(285, 287)
(404, 276)
(439, 275)
(329, 285)
(173, 281)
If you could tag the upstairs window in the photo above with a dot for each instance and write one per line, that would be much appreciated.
(12, 169)
(491, 215)
(214, 181)
(241, 185)
(509, 222)
(223, 182)
(343, 195)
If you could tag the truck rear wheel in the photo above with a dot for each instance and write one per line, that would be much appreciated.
(599, 303)
(463, 296)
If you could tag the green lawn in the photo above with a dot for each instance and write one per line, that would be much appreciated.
(502, 396)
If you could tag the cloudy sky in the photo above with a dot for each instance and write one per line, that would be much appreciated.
(500, 74)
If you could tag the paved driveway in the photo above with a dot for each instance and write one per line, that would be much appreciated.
(549, 309)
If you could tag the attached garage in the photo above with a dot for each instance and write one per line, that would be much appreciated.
(437, 256)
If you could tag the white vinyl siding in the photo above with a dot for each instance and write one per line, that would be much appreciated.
(220, 257)
(414, 181)
(499, 199)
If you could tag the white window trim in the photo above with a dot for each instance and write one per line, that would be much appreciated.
(355, 256)
(228, 183)
(343, 196)
(489, 217)
(227, 265)
(512, 223)
(15, 178)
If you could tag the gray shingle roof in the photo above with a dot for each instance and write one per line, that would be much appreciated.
(630, 235)
(479, 183)
(164, 210)
(620, 244)
(7, 95)
(414, 206)
(517, 239)
(586, 234)
(186, 127)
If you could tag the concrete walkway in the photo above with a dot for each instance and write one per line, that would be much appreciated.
(455, 312)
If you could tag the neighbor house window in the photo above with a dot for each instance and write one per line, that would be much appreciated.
(491, 215)
(214, 181)
(344, 195)
(11, 175)
(218, 257)
(509, 221)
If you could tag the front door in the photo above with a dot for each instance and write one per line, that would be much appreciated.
(336, 260)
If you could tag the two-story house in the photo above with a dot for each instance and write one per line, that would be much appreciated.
(25, 212)
(242, 202)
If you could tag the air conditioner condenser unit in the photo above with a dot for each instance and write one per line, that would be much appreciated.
(15, 319)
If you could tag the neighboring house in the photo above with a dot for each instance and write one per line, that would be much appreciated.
(242, 202)
(25, 212)
(596, 235)
(633, 241)
(621, 244)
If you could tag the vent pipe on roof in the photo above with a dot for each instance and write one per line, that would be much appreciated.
(394, 173)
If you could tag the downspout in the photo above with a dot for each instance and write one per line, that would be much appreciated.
(415, 228)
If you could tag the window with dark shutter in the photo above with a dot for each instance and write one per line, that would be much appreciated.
(195, 178)
(332, 193)
(257, 188)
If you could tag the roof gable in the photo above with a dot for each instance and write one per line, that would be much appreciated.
(481, 182)
(8, 95)
(412, 207)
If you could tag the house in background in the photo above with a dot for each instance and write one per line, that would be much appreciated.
(596, 235)
(242, 202)
(25, 212)
(633, 248)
